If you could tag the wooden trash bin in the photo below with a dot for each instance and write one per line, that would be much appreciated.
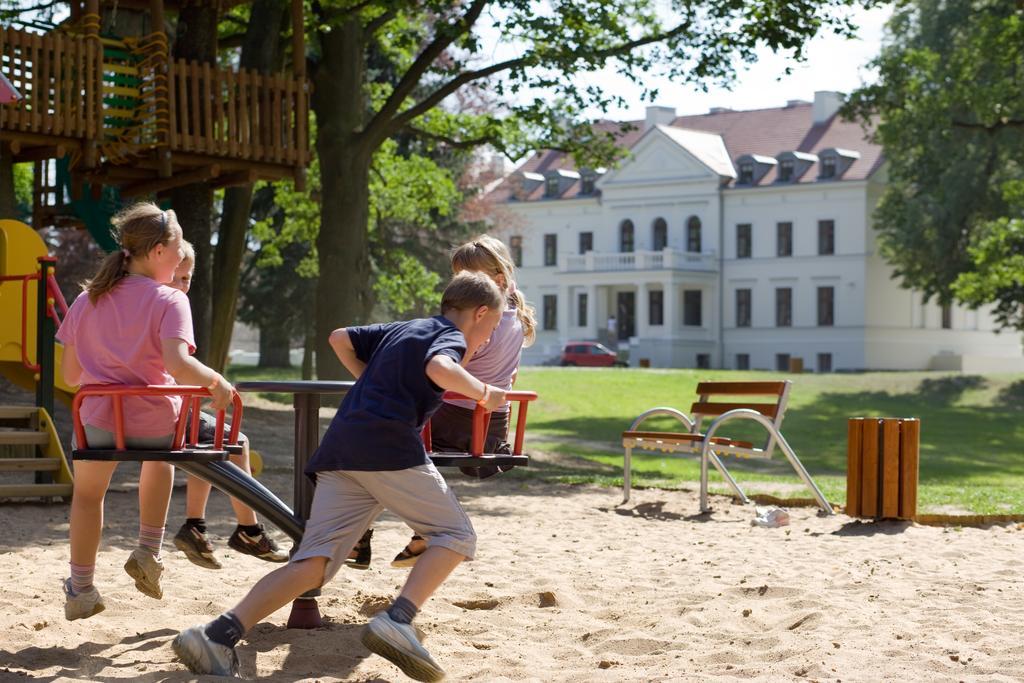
(882, 466)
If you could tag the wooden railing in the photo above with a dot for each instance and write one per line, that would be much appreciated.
(238, 114)
(210, 111)
(59, 78)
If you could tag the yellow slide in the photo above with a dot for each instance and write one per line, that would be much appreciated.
(20, 246)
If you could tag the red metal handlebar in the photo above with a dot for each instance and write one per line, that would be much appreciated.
(190, 394)
(481, 421)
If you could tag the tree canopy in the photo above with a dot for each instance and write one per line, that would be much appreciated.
(523, 58)
(949, 110)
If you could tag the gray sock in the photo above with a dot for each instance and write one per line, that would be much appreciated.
(402, 611)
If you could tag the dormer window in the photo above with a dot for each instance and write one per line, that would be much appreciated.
(587, 182)
(551, 186)
(828, 167)
(752, 168)
(746, 173)
(835, 161)
(786, 171)
(793, 166)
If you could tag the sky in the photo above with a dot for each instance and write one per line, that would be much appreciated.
(832, 63)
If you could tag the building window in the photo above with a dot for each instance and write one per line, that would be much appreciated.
(581, 310)
(743, 240)
(550, 250)
(692, 314)
(703, 361)
(824, 362)
(693, 235)
(783, 239)
(659, 234)
(783, 307)
(746, 173)
(828, 167)
(826, 306)
(551, 186)
(656, 307)
(626, 236)
(947, 317)
(586, 242)
(782, 362)
(550, 312)
(743, 307)
(515, 245)
(786, 171)
(742, 361)
(587, 183)
(826, 237)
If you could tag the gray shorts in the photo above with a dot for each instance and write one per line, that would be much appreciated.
(346, 502)
(101, 438)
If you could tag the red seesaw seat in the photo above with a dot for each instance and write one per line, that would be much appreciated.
(185, 446)
(206, 461)
(481, 421)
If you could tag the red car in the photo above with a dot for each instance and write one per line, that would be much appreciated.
(590, 354)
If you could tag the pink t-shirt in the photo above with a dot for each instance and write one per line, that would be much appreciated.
(118, 341)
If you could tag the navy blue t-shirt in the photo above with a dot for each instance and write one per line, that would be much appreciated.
(378, 425)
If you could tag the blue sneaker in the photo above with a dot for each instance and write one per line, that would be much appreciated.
(398, 644)
(203, 656)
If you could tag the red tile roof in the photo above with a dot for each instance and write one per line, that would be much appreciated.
(760, 131)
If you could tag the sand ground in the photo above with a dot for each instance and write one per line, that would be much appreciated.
(567, 586)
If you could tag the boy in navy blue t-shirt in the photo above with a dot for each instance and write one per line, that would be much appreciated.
(372, 458)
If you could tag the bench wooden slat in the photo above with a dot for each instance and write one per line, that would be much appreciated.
(685, 436)
(766, 409)
(741, 388)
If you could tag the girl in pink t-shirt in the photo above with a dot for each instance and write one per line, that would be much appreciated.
(495, 363)
(127, 328)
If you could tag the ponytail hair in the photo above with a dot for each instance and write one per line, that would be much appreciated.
(139, 229)
(489, 255)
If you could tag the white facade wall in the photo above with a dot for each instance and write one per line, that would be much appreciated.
(876, 324)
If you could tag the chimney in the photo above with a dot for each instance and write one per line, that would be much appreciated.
(826, 103)
(659, 116)
(719, 110)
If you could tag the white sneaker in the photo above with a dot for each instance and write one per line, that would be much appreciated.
(81, 605)
(146, 570)
(398, 644)
(203, 656)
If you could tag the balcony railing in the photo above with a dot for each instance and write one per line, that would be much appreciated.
(666, 259)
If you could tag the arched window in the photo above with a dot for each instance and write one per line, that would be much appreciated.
(626, 236)
(659, 234)
(693, 234)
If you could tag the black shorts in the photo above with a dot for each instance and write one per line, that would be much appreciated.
(451, 431)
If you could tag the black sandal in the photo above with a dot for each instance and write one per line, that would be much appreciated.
(362, 551)
(408, 557)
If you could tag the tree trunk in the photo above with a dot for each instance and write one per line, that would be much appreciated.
(343, 291)
(275, 347)
(8, 200)
(197, 40)
(261, 50)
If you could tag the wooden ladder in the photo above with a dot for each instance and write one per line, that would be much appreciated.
(29, 446)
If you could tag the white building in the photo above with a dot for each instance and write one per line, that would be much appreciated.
(735, 239)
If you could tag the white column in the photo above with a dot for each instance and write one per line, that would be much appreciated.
(643, 311)
(593, 324)
(673, 309)
(564, 308)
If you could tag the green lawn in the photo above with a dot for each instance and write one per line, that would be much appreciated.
(972, 429)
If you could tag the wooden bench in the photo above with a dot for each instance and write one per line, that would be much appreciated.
(762, 402)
